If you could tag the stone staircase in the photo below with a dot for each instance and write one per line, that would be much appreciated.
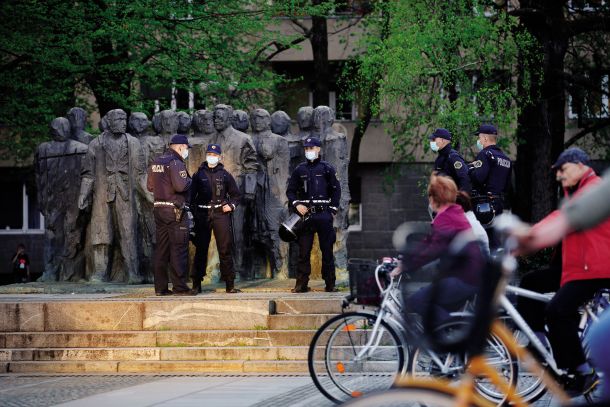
(210, 333)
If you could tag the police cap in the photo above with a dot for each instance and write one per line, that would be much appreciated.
(213, 148)
(312, 142)
(442, 133)
(571, 155)
(486, 129)
(180, 139)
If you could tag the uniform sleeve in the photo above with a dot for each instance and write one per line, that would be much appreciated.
(179, 176)
(334, 189)
(480, 169)
(293, 187)
(233, 190)
(461, 172)
(591, 208)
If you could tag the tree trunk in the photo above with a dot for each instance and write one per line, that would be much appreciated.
(319, 46)
(541, 125)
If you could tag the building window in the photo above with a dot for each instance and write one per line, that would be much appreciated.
(343, 105)
(586, 104)
(20, 214)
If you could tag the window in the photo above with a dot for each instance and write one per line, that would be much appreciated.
(587, 104)
(343, 106)
(20, 214)
(354, 217)
(175, 98)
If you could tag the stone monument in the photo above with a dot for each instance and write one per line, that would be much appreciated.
(271, 204)
(113, 171)
(56, 163)
(78, 120)
(240, 121)
(184, 123)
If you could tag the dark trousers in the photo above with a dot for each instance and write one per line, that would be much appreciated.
(172, 248)
(562, 320)
(540, 281)
(220, 224)
(322, 224)
(451, 295)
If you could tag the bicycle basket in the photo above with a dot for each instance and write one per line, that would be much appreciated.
(362, 284)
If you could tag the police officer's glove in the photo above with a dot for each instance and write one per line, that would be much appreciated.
(333, 211)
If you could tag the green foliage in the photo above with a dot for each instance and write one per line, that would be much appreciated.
(441, 64)
(55, 50)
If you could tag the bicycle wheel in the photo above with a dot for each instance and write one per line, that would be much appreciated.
(344, 364)
(412, 396)
(451, 366)
(530, 387)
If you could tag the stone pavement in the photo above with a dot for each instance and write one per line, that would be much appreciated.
(159, 390)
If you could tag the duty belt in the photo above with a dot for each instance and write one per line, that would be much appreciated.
(210, 206)
(316, 205)
(163, 203)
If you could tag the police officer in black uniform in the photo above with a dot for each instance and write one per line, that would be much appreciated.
(449, 162)
(214, 197)
(490, 175)
(169, 182)
(314, 192)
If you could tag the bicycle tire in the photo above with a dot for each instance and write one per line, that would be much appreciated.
(509, 367)
(334, 381)
(412, 396)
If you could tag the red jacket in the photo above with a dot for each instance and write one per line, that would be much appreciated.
(585, 255)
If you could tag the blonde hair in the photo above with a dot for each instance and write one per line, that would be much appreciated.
(442, 190)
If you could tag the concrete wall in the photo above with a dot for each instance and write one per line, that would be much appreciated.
(383, 209)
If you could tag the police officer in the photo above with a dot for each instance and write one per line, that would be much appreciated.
(314, 192)
(214, 197)
(449, 162)
(169, 182)
(490, 175)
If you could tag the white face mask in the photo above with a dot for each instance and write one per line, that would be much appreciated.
(434, 146)
(479, 145)
(311, 155)
(185, 153)
(212, 160)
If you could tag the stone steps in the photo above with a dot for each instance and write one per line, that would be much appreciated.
(152, 335)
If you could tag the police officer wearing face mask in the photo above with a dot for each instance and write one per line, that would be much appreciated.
(169, 182)
(214, 196)
(314, 192)
(490, 175)
(449, 162)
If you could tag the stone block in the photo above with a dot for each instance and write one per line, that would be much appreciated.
(220, 353)
(299, 322)
(79, 354)
(21, 316)
(308, 306)
(280, 366)
(5, 355)
(63, 367)
(94, 316)
(80, 339)
(181, 367)
(207, 338)
(210, 314)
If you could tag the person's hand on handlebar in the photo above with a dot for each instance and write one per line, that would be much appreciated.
(397, 270)
(541, 235)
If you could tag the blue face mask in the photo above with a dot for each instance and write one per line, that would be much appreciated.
(434, 146)
(479, 145)
(311, 155)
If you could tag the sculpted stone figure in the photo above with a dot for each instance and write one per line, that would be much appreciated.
(184, 123)
(305, 121)
(113, 169)
(271, 203)
(335, 152)
(240, 121)
(78, 120)
(280, 124)
(239, 158)
(56, 163)
(103, 124)
(139, 127)
(167, 126)
(203, 134)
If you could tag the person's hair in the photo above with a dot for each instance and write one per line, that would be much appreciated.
(442, 190)
(463, 199)
(21, 246)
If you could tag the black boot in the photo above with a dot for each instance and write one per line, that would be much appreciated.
(197, 286)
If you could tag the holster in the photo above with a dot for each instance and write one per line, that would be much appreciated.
(179, 213)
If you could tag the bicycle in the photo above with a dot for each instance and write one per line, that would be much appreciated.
(363, 351)
(413, 391)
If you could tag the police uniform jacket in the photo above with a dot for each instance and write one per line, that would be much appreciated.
(449, 162)
(490, 172)
(213, 186)
(168, 179)
(314, 180)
